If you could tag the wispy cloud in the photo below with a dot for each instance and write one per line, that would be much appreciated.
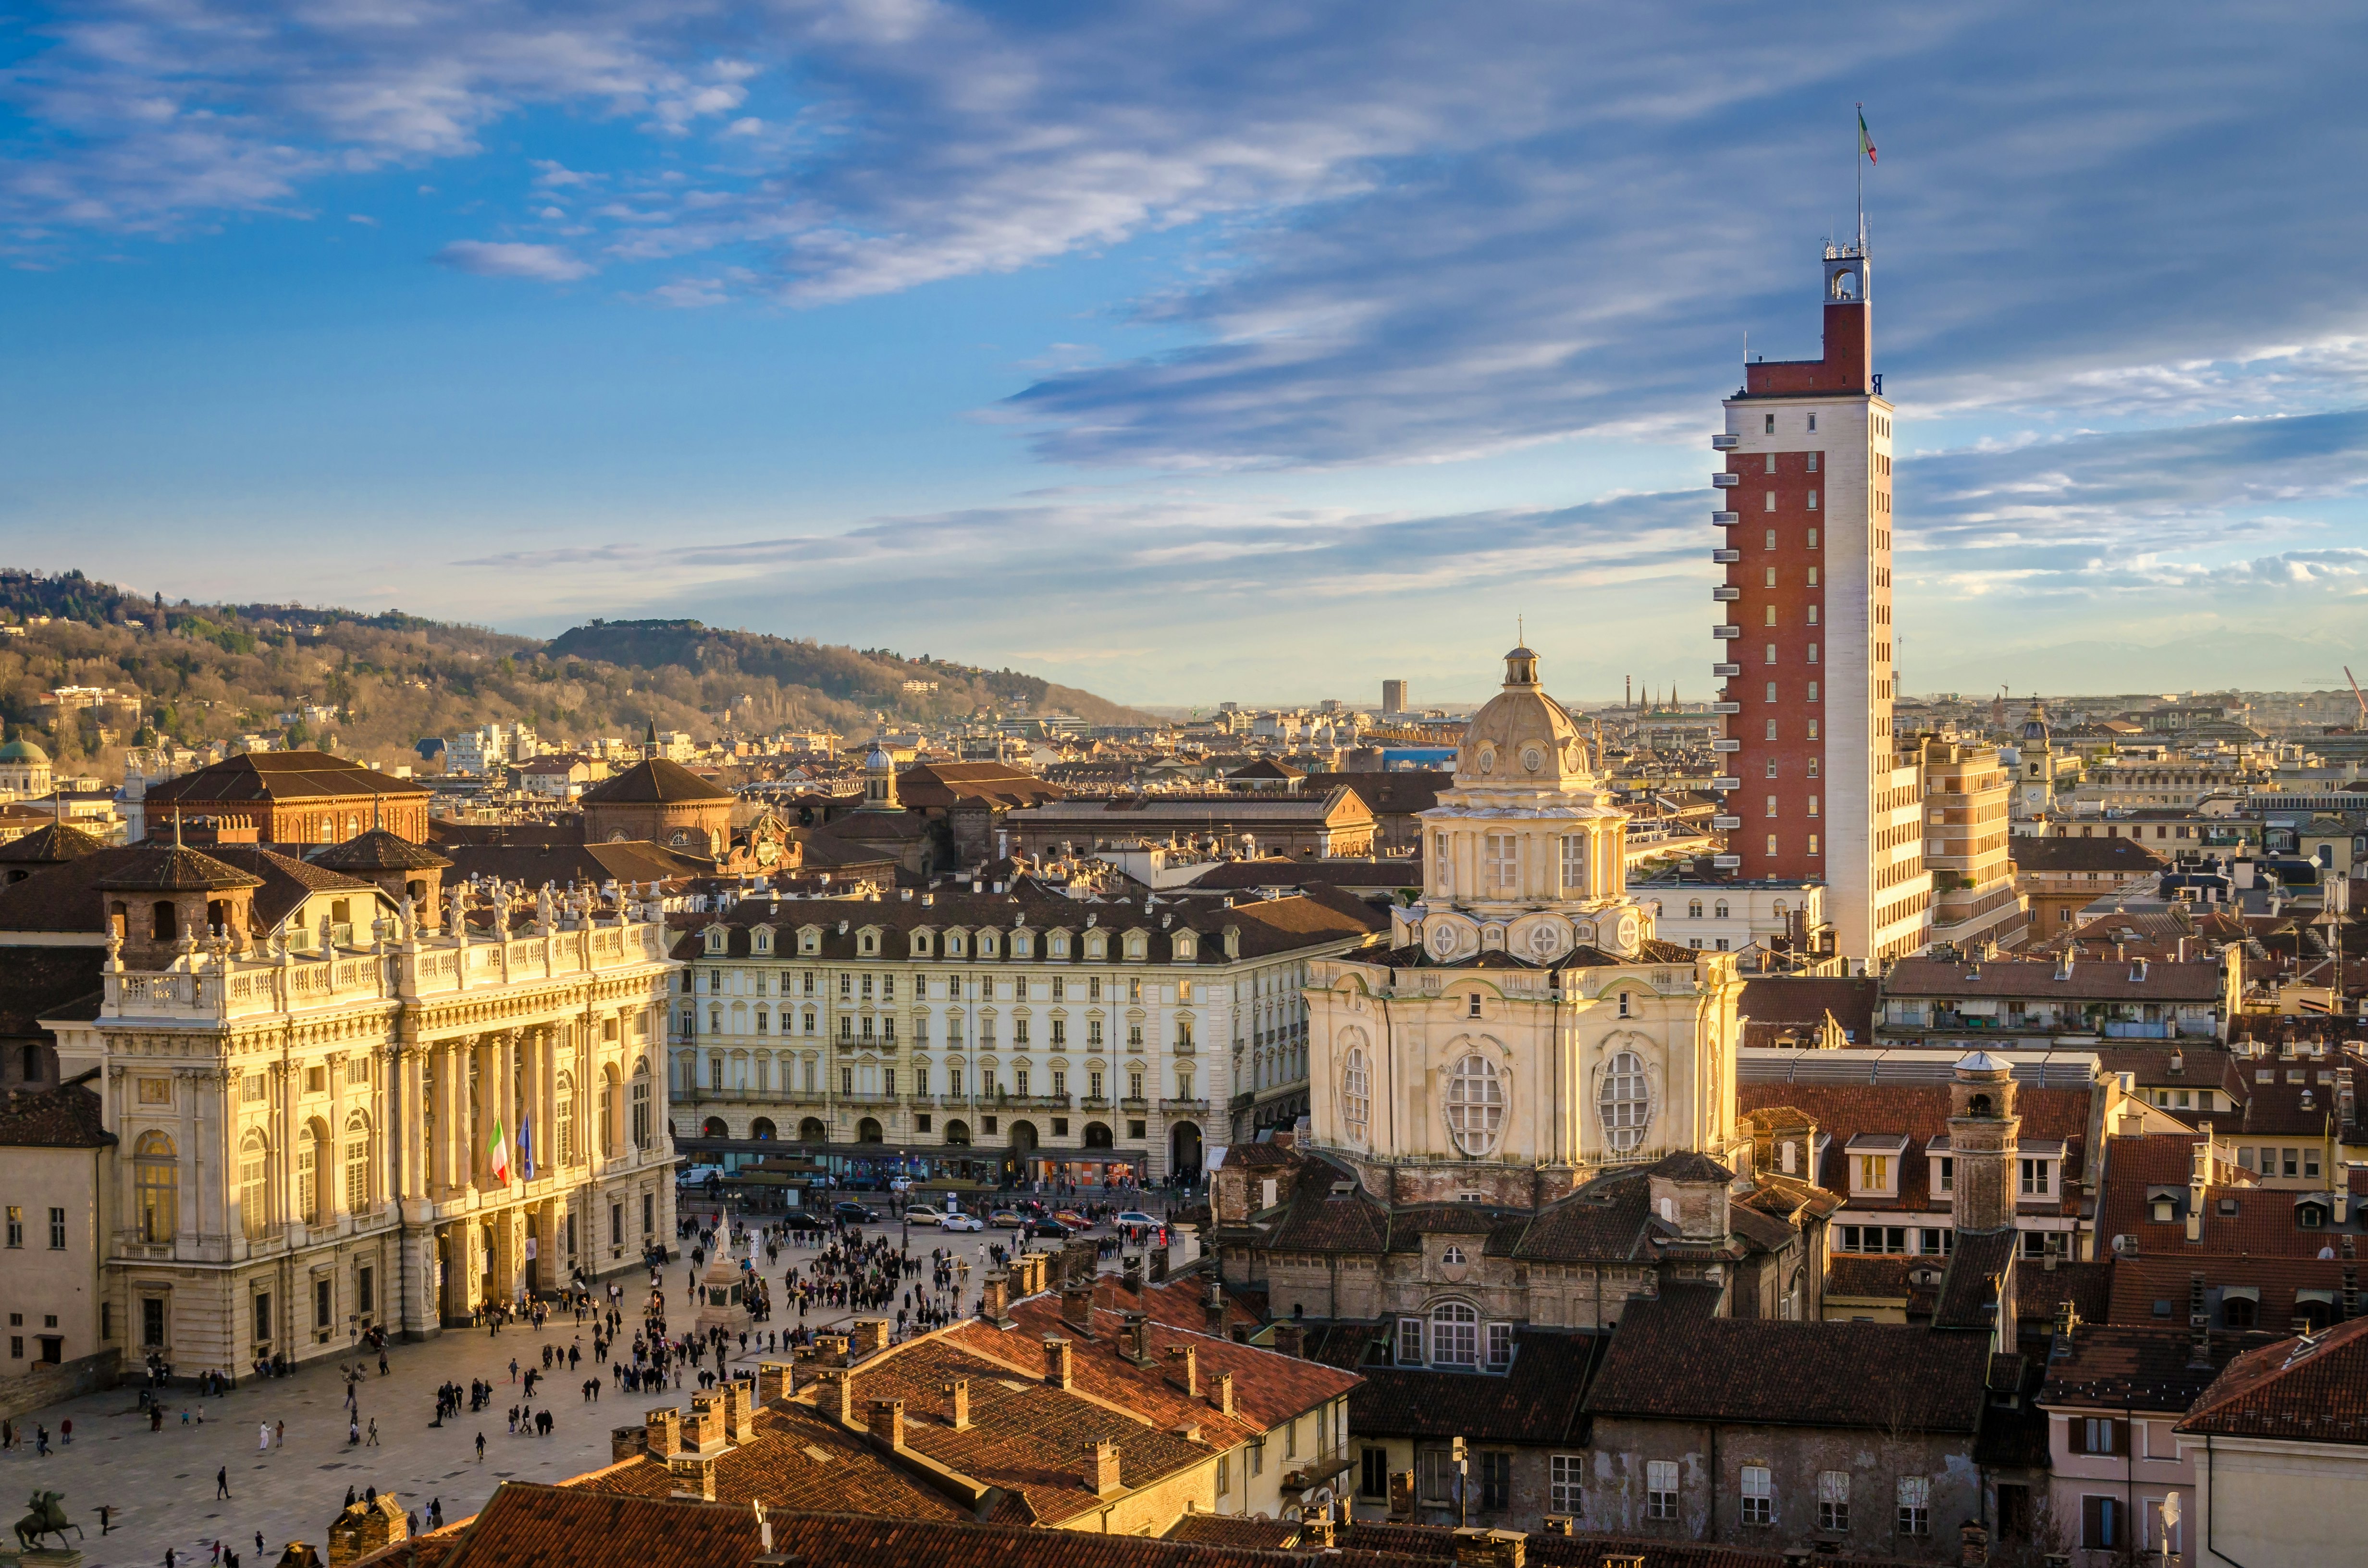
(547, 263)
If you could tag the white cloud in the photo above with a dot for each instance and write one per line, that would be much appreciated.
(547, 263)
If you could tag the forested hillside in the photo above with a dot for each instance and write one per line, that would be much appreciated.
(209, 672)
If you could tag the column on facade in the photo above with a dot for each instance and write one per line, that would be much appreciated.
(555, 1039)
(188, 1198)
(489, 1089)
(333, 1161)
(407, 1169)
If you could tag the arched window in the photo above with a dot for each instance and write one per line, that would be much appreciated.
(1455, 1335)
(1693, 909)
(812, 1131)
(1721, 908)
(1624, 1102)
(1475, 1104)
(563, 1092)
(157, 1186)
(761, 1128)
(358, 1164)
(2238, 1312)
(1356, 1094)
(1781, 909)
(641, 1098)
(713, 1127)
(161, 924)
(254, 1188)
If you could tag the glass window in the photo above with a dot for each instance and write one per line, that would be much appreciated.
(1660, 1489)
(157, 1186)
(1355, 1094)
(1455, 1335)
(1759, 1496)
(1624, 1101)
(1915, 1504)
(1500, 1347)
(1565, 1483)
(1833, 1500)
(1475, 1104)
(254, 1207)
(1409, 1342)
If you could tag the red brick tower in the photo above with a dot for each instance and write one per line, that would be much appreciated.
(1813, 789)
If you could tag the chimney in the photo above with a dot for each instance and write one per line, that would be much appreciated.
(2199, 1323)
(1974, 1549)
(1059, 1370)
(1560, 1524)
(1225, 1393)
(709, 1420)
(775, 1380)
(959, 1390)
(1134, 1339)
(841, 1395)
(1289, 1338)
(665, 1427)
(1102, 1463)
(1185, 1360)
(869, 1336)
(1078, 1309)
(831, 1349)
(995, 1300)
(1491, 1549)
(1131, 1272)
(888, 1422)
(1316, 1530)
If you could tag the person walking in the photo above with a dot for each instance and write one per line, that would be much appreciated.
(373, 1433)
(284, 1443)
(221, 1483)
(262, 1436)
(481, 1447)
(106, 1517)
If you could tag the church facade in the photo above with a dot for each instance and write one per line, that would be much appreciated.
(1526, 1028)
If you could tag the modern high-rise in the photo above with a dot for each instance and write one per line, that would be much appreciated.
(1393, 697)
(1819, 787)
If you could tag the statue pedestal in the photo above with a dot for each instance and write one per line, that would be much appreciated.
(51, 1557)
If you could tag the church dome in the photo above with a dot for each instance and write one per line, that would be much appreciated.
(1521, 738)
(22, 751)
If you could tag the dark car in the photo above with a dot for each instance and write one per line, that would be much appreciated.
(1046, 1230)
(800, 1220)
(854, 1213)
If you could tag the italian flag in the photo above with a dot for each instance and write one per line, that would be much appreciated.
(497, 1152)
(1865, 138)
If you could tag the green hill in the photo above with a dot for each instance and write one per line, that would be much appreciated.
(209, 672)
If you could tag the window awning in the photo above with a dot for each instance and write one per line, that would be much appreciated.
(2241, 1293)
(2327, 1296)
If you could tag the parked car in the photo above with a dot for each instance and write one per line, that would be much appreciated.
(1138, 1217)
(922, 1216)
(1074, 1219)
(962, 1222)
(851, 1211)
(1005, 1220)
(699, 1176)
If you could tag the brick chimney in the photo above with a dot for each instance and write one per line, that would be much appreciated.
(775, 1380)
(366, 1527)
(1316, 1532)
(1134, 1339)
(995, 1300)
(1101, 1467)
(665, 1427)
(1213, 1306)
(1491, 1549)
(1185, 1361)
(1225, 1393)
(1059, 1372)
(888, 1422)
(959, 1392)
(830, 1349)
(1289, 1338)
(869, 1338)
(1131, 1272)
(1974, 1550)
(838, 1394)
(1560, 1524)
(740, 1409)
(1078, 1309)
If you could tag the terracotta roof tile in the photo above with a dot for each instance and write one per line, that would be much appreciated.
(2308, 1390)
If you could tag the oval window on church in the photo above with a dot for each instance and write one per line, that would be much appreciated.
(1356, 1094)
(1475, 1104)
(1624, 1102)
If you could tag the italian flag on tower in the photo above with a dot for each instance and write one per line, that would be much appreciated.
(497, 1152)
(1865, 140)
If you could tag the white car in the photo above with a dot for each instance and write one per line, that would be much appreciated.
(1138, 1217)
(918, 1216)
(698, 1176)
(962, 1222)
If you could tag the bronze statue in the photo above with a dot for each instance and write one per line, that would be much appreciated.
(48, 1518)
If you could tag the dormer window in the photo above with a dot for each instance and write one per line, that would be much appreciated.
(868, 944)
(1186, 947)
(1452, 1257)
(920, 944)
(1134, 947)
(809, 940)
(1874, 1162)
(719, 940)
(986, 944)
(761, 939)
(1097, 946)
(2165, 1208)
(1022, 944)
(2038, 1178)
(954, 943)
(1057, 944)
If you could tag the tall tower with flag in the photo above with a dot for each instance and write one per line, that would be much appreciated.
(1819, 786)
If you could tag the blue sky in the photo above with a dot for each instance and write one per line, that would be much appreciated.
(1191, 351)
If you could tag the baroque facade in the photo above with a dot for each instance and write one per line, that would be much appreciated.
(420, 1112)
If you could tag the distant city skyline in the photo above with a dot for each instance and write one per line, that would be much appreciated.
(1106, 346)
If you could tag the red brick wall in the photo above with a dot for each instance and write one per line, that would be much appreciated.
(1791, 559)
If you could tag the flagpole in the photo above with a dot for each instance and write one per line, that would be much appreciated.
(1858, 163)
